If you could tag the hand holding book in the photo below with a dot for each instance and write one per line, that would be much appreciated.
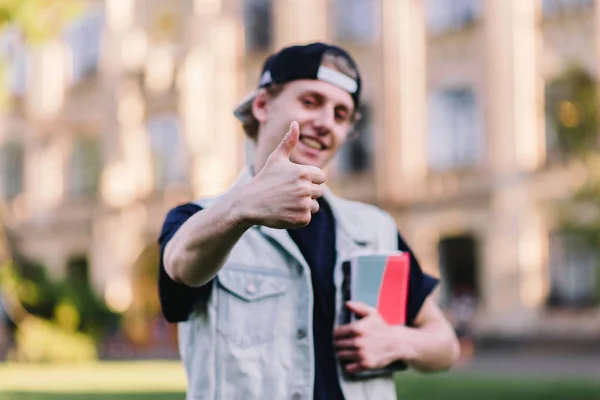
(376, 292)
(367, 347)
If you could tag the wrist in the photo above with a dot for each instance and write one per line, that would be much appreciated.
(404, 344)
(241, 214)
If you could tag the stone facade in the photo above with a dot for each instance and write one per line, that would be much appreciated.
(131, 114)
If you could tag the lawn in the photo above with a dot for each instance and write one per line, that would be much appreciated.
(166, 381)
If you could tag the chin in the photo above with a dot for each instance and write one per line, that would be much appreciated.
(308, 161)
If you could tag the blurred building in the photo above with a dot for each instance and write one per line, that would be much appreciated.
(129, 113)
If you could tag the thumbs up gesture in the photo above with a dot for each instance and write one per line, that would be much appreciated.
(283, 194)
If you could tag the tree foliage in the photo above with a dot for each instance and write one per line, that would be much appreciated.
(572, 105)
(573, 101)
(38, 20)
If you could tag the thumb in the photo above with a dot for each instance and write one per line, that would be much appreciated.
(289, 141)
(360, 309)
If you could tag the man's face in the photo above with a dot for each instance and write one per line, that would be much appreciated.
(324, 113)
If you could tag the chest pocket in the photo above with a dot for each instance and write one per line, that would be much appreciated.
(248, 305)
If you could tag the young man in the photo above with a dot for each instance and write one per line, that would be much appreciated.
(253, 276)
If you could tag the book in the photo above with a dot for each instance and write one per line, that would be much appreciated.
(380, 280)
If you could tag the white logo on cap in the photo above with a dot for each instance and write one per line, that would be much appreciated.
(265, 78)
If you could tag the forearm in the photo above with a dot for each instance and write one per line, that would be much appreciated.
(428, 348)
(200, 247)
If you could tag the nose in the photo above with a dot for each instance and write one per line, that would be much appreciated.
(324, 122)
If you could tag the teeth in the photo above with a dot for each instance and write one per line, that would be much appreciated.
(312, 143)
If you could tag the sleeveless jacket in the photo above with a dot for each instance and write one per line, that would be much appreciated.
(252, 339)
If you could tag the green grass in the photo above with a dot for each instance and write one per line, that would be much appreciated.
(467, 387)
(166, 381)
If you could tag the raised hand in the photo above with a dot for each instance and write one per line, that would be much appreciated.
(283, 194)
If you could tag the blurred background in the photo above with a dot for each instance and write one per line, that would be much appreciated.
(480, 136)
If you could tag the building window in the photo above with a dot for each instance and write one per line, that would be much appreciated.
(258, 24)
(454, 129)
(356, 154)
(168, 151)
(84, 39)
(444, 15)
(573, 266)
(553, 7)
(12, 169)
(354, 20)
(459, 270)
(85, 166)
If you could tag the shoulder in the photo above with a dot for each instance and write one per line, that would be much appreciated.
(366, 221)
(176, 217)
(183, 210)
(206, 202)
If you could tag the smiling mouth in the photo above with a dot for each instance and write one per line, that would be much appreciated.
(312, 143)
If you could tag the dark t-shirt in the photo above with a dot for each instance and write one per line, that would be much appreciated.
(316, 242)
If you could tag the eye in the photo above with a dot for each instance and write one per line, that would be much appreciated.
(310, 101)
(341, 115)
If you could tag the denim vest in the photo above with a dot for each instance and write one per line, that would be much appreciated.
(252, 339)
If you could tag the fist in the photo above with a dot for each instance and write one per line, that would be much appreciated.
(283, 194)
(368, 343)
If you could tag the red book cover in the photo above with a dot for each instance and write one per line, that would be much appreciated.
(393, 294)
(381, 280)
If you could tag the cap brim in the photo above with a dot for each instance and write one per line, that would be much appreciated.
(244, 109)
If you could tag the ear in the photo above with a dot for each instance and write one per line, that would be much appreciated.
(260, 106)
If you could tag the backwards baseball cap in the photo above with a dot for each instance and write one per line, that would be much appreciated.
(304, 62)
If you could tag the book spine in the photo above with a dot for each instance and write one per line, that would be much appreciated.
(346, 316)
